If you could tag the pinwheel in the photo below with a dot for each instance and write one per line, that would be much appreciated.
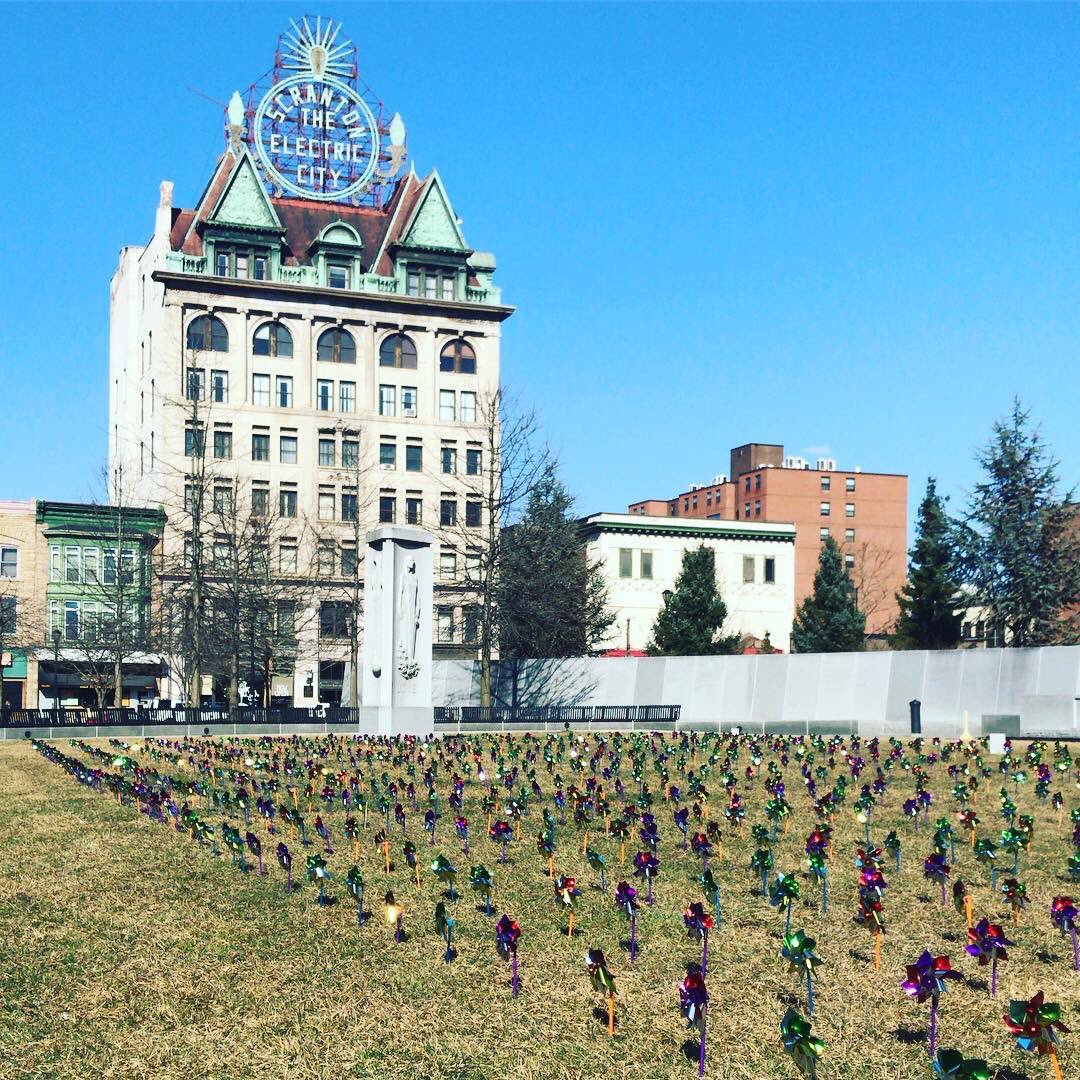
(1036, 1024)
(430, 820)
(647, 866)
(446, 872)
(317, 872)
(711, 888)
(798, 950)
(1072, 867)
(461, 824)
(926, 980)
(986, 854)
(681, 817)
(694, 1003)
(777, 810)
(235, 843)
(284, 857)
(323, 833)
(1014, 840)
(1063, 914)
(953, 1063)
(871, 858)
(395, 916)
(626, 901)
(444, 927)
(382, 842)
(987, 943)
(352, 834)
(944, 838)
(619, 830)
(354, 882)
(820, 872)
(969, 819)
(804, 1048)
(762, 862)
(937, 869)
(545, 844)
(603, 981)
(596, 862)
(1016, 895)
(700, 846)
(782, 894)
(502, 834)
(817, 843)
(507, 933)
(566, 895)
(480, 881)
(892, 844)
(961, 899)
(911, 810)
(698, 924)
(399, 816)
(254, 845)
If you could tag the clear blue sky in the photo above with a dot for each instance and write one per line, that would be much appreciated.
(844, 228)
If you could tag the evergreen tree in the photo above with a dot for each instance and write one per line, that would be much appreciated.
(692, 620)
(1021, 538)
(930, 600)
(551, 601)
(829, 620)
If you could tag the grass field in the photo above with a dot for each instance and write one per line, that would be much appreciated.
(127, 950)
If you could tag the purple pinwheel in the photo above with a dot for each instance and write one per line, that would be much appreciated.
(987, 942)
(937, 869)
(255, 847)
(699, 845)
(429, 825)
(926, 980)
(284, 857)
(507, 933)
(1063, 914)
(461, 824)
(681, 818)
(698, 924)
(694, 1003)
(647, 866)
(626, 899)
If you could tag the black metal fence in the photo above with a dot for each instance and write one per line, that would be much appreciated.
(654, 717)
(31, 718)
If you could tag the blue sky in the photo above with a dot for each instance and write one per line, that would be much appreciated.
(851, 229)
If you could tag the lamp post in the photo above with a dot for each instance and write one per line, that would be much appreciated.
(667, 594)
(56, 673)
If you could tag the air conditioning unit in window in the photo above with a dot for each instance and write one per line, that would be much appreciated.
(826, 464)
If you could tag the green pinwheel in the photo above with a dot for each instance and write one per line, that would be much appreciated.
(797, 948)
(783, 893)
(444, 927)
(603, 982)
(762, 862)
(354, 882)
(446, 872)
(953, 1063)
(804, 1048)
(597, 863)
(316, 871)
(1036, 1024)
(711, 888)
(480, 881)
(986, 855)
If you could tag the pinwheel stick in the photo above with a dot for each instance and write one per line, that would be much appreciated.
(701, 1048)
(513, 974)
(1076, 948)
(611, 1012)
(877, 949)
(967, 911)
(633, 936)
(386, 854)
(570, 927)
(417, 868)
(933, 1025)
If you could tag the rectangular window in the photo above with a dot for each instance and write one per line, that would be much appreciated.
(446, 624)
(387, 400)
(448, 458)
(746, 510)
(825, 509)
(447, 512)
(849, 510)
(468, 407)
(260, 390)
(327, 559)
(414, 458)
(388, 456)
(770, 571)
(109, 566)
(349, 506)
(260, 447)
(287, 558)
(849, 483)
(349, 562)
(196, 384)
(284, 391)
(849, 536)
(9, 615)
(222, 264)
(347, 397)
(223, 445)
(646, 564)
(826, 483)
(324, 395)
(71, 620)
(73, 565)
(90, 565)
(287, 503)
(350, 453)
(260, 502)
(447, 410)
(327, 504)
(333, 619)
(626, 562)
(387, 509)
(223, 500)
(327, 452)
(408, 401)
(757, 482)
(9, 562)
(287, 449)
(414, 283)
(473, 459)
(414, 511)
(473, 513)
(260, 268)
(757, 508)
(56, 567)
(447, 281)
(747, 482)
(472, 566)
(241, 266)
(471, 629)
(823, 533)
(338, 276)
(220, 383)
(447, 565)
(849, 563)
(748, 569)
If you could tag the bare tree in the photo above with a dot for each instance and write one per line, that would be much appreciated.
(874, 582)
(494, 489)
(22, 624)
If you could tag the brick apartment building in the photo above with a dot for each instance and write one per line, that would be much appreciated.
(864, 512)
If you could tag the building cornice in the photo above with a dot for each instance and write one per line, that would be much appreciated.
(656, 527)
(336, 297)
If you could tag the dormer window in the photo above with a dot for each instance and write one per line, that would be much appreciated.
(337, 275)
(247, 263)
(431, 282)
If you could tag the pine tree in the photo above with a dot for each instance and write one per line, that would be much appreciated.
(692, 620)
(552, 602)
(930, 600)
(1021, 538)
(829, 620)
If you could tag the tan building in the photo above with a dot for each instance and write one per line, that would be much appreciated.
(22, 598)
(864, 512)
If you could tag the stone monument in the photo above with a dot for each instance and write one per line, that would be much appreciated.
(396, 695)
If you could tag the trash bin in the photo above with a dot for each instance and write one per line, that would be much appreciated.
(916, 716)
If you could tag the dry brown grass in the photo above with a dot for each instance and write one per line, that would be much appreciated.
(128, 951)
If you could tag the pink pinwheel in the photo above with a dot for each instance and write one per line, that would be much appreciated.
(647, 866)
(698, 924)
(694, 1002)
(987, 942)
(926, 980)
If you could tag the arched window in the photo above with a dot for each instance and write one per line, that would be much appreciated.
(207, 333)
(458, 356)
(397, 351)
(272, 339)
(337, 346)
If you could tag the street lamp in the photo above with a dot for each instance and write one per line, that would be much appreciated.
(56, 672)
(667, 594)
